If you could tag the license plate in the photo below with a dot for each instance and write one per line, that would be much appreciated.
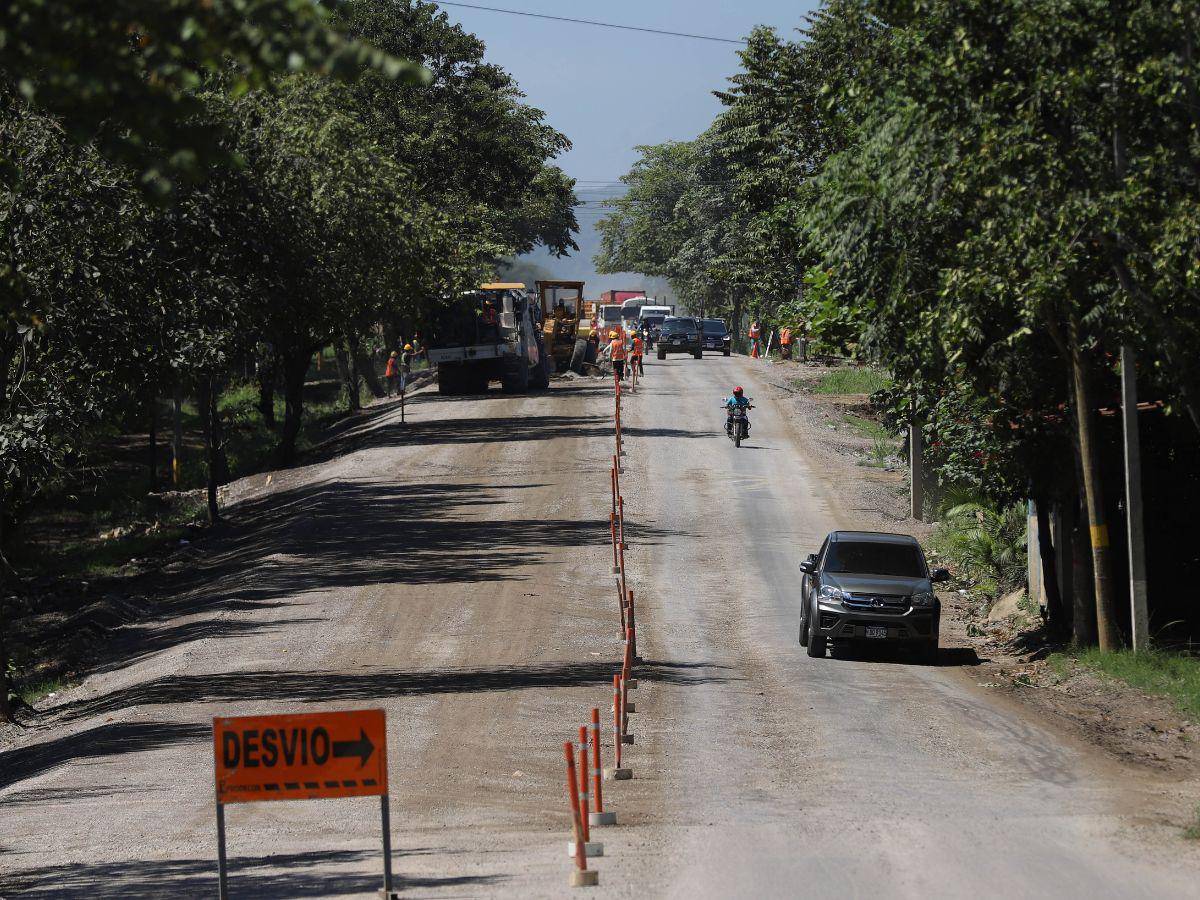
(876, 631)
(676, 343)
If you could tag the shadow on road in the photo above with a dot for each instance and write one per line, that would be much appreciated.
(325, 687)
(279, 876)
(103, 740)
(490, 430)
(946, 657)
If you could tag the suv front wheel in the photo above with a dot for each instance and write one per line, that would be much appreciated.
(816, 642)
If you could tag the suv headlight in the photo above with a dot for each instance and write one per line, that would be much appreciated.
(923, 600)
(831, 594)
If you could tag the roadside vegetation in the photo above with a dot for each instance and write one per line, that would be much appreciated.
(1173, 675)
(197, 200)
(852, 380)
(987, 202)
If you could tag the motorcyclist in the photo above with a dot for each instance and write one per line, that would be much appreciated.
(738, 400)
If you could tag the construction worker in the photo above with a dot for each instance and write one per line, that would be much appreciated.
(635, 354)
(755, 332)
(406, 359)
(391, 374)
(785, 342)
(616, 349)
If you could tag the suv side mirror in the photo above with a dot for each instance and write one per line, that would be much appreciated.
(808, 567)
(940, 575)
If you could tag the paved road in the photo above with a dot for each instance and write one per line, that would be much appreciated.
(454, 571)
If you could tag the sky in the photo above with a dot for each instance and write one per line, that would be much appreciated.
(610, 90)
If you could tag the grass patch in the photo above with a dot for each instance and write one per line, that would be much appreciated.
(866, 427)
(1173, 675)
(852, 380)
(34, 691)
(1192, 832)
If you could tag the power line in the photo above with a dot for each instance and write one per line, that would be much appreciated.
(533, 15)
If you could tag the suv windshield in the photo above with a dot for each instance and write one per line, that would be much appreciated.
(714, 326)
(652, 321)
(679, 325)
(874, 558)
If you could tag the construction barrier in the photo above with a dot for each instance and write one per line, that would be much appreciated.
(581, 876)
(599, 816)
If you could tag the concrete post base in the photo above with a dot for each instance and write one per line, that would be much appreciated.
(602, 818)
(591, 849)
(618, 774)
(586, 878)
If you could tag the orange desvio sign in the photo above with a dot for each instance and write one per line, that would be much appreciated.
(300, 757)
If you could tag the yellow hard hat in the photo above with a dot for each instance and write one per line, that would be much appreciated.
(612, 334)
(393, 353)
(408, 346)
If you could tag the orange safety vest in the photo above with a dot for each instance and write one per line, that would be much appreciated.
(390, 372)
(785, 336)
(637, 346)
(754, 331)
(618, 348)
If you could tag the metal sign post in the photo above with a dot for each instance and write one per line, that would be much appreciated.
(307, 756)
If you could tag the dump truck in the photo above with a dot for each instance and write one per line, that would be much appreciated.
(492, 334)
(568, 324)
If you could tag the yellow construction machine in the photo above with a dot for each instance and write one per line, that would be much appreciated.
(568, 324)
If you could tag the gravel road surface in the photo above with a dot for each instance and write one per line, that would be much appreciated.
(455, 572)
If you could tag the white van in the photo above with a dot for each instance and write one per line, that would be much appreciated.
(608, 318)
(650, 319)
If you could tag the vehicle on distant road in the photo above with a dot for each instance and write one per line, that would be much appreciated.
(679, 334)
(715, 335)
(650, 319)
(492, 334)
(608, 318)
(866, 586)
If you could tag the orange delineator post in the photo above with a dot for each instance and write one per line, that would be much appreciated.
(617, 474)
(613, 479)
(597, 771)
(632, 626)
(573, 796)
(621, 603)
(617, 718)
(584, 803)
(626, 666)
(621, 564)
(612, 533)
(621, 518)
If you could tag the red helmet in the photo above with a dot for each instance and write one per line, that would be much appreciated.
(737, 391)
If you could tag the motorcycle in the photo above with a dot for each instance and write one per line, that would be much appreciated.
(737, 424)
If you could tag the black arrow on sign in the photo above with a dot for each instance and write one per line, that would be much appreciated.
(362, 748)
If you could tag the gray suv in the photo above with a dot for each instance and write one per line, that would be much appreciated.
(865, 586)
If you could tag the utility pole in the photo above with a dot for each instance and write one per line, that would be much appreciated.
(1133, 502)
(915, 475)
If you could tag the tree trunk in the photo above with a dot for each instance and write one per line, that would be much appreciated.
(218, 433)
(366, 368)
(267, 375)
(177, 434)
(295, 368)
(5, 707)
(735, 303)
(1055, 614)
(207, 404)
(347, 374)
(152, 467)
(1093, 492)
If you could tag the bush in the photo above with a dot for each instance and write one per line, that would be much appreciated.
(984, 544)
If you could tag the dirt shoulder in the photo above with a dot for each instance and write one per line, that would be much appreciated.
(1130, 725)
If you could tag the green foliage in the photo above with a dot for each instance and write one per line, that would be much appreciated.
(1172, 675)
(983, 544)
(124, 73)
